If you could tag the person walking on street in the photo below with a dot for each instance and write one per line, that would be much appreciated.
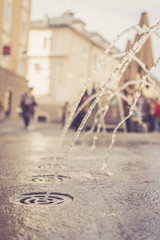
(64, 112)
(157, 117)
(27, 104)
(2, 112)
(78, 119)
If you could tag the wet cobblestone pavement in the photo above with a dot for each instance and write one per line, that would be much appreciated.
(83, 202)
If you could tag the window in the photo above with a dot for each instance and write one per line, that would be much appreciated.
(7, 102)
(42, 119)
(25, 3)
(7, 15)
(37, 67)
(5, 61)
(21, 67)
(23, 27)
(7, 11)
(46, 43)
(95, 59)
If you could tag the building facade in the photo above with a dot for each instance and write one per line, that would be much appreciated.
(61, 57)
(14, 28)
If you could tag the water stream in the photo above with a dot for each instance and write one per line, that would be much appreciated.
(117, 73)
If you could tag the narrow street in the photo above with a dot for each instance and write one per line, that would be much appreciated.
(81, 202)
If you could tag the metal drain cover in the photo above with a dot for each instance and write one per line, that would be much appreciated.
(47, 178)
(37, 198)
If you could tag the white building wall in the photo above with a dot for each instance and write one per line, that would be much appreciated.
(39, 52)
(40, 43)
(77, 64)
(39, 75)
(59, 47)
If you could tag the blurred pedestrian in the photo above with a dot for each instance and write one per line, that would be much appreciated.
(157, 116)
(143, 107)
(2, 112)
(27, 104)
(151, 116)
(64, 112)
(140, 114)
(78, 119)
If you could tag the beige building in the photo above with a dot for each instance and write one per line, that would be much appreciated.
(14, 27)
(61, 57)
(12, 86)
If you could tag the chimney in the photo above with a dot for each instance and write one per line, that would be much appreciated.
(46, 19)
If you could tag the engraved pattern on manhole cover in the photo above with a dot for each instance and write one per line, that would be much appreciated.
(37, 198)
(47, 178)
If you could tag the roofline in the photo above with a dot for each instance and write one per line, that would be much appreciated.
(50, 27)
(84, 36)
(66, 26)
(40, 20)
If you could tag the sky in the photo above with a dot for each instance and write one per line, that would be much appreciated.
(107, 17)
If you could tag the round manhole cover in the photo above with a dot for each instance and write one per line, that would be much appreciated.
(47, 178)
(37, 198)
